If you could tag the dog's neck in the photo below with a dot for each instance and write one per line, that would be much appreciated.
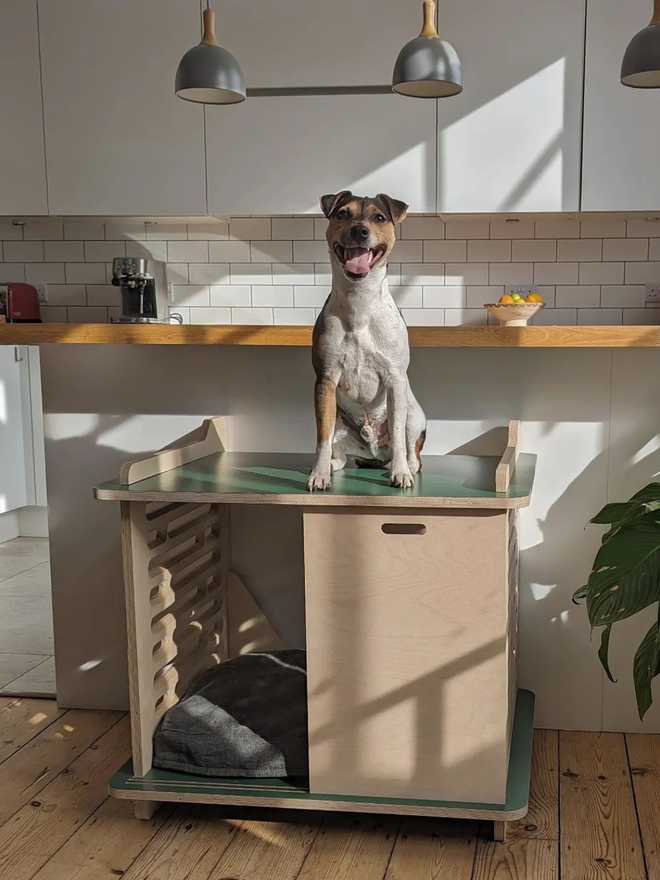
(359, 294)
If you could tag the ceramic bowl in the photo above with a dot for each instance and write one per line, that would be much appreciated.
(513, 314)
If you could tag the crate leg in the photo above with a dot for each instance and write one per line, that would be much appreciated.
(499, 831)
(146, 809)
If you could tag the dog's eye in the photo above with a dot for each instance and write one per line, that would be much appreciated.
(379, 218)
(342, 214)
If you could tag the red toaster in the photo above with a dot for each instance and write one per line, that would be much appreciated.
(19, 302)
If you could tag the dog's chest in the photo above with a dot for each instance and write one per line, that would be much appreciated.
(362, 368)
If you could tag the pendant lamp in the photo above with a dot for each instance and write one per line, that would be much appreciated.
(428, 67)
(209, 74)
(640, 68)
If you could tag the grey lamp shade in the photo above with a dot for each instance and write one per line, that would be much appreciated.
(640, 68)
(209, 74)
(428, 67)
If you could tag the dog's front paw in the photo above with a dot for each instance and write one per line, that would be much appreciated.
(402, 479)
(318, 480)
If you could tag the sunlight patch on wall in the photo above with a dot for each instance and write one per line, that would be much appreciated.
(3, 403)
(66, 426)
(525, 156)
(145, 433)
(648, 449)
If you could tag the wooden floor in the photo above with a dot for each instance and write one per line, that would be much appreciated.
(595, 814)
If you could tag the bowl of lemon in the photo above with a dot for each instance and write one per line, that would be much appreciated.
(514, 310)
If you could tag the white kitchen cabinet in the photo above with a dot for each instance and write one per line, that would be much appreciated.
(621, 125)
(290, 43)
(278, 155)
(118, 140)
(22, 161)
(13, 483)
(511, 140)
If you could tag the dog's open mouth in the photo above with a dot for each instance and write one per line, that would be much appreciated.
(358, 261)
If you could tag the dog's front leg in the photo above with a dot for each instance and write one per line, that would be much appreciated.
(397, 414)
(325, 407)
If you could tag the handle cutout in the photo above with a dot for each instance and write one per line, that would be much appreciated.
(403, 529)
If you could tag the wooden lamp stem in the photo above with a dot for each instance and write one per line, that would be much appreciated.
(656, 12)
(209, 38)
(429, 29)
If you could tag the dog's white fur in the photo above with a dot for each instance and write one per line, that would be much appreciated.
(363, 345)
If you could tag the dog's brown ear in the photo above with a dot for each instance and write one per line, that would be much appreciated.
(397, 210)
(332, 201)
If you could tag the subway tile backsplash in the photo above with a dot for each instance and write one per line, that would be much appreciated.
(275, 270)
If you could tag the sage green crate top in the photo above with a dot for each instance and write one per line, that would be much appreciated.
(280, 478)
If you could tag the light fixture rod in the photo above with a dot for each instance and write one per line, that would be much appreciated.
(429, 28)
(302, 91)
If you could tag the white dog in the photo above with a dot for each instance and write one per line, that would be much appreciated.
(363, 401)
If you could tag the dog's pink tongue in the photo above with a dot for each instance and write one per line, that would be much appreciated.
(359, 263)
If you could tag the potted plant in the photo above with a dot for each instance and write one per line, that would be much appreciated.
(625, 579)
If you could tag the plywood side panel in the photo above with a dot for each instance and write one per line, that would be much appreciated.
(407, 667)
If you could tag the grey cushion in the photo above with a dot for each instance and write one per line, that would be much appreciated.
(246, 717)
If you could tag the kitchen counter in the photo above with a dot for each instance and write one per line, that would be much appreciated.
(423, 337)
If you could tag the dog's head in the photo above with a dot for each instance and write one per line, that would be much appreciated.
(361, 230)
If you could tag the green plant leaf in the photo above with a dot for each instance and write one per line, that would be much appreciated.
(648, 494)
(626, 573)
(614, 513)
(579, 594)
(603, 651)
(645, 668)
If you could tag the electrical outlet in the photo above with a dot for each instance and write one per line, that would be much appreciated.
(521, 289)
(42, 290)
(653, 295)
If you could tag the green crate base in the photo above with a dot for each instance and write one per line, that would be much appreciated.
(165, 785)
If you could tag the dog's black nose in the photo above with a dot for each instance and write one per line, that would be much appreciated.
(359, 232)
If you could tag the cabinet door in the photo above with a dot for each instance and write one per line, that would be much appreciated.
(288, 43)
(277, 155)
(621, 125)
(511, 140)
(22, 161)
(118, 140)
(13, 486)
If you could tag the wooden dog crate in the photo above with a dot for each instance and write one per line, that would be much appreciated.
(411, 620)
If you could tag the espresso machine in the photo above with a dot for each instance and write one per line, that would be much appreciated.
(144, 290)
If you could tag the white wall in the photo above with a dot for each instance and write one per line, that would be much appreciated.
(589, 416)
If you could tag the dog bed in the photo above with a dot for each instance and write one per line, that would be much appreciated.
(246, 717)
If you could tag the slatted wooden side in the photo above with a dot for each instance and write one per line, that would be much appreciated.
(175, 570)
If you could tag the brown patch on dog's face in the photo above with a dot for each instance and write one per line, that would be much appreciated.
(361, 230)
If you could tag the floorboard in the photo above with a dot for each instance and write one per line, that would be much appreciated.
(644, 759)
(32, 768)
(106, 845)
(592, 794)
(189, 845)
(542, 820)
(21, 720)
(351, 847)
(428, 849)
(520, 860)
(599, 832)
(37, 831)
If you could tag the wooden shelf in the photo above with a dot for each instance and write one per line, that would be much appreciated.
(430, 337)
